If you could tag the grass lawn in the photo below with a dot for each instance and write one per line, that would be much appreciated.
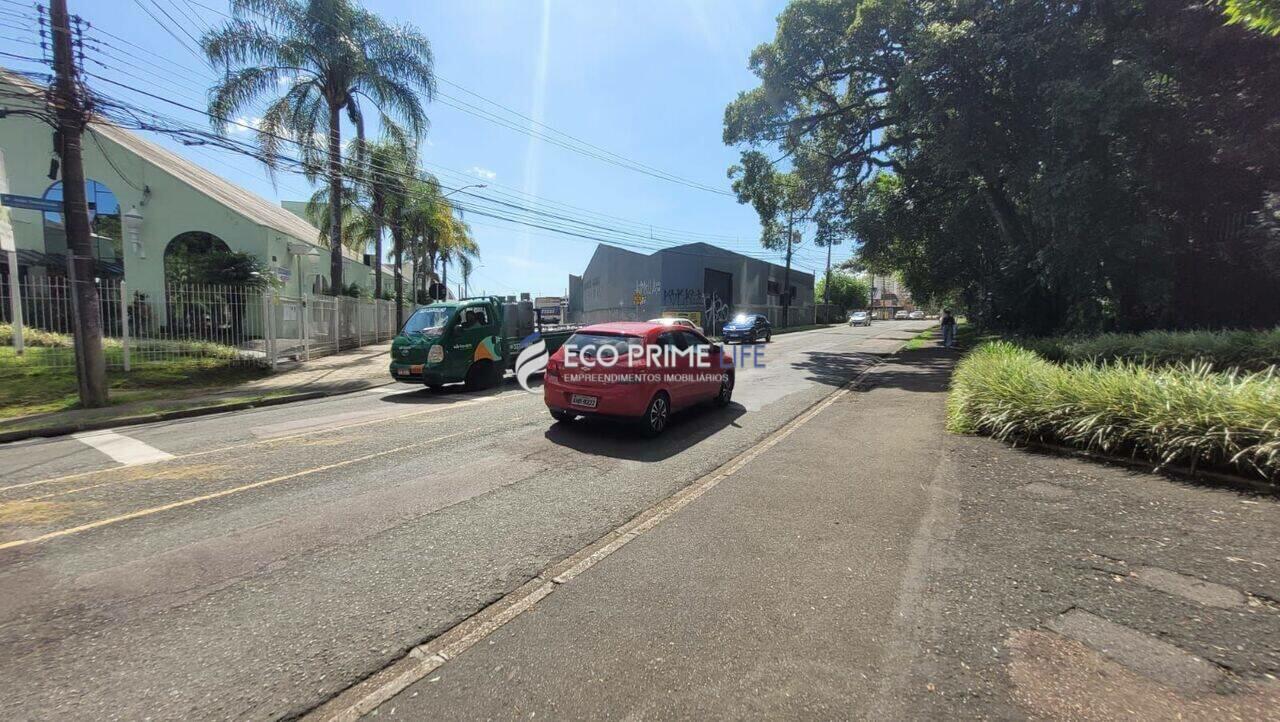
(27, 388)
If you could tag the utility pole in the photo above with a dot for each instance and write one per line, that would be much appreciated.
(92, 370)
(786, 276)
(826, 285)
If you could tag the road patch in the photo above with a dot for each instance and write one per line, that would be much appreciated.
(1197, 590)
(1140, 652)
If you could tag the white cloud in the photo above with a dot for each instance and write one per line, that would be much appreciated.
(243, 124)
(484, 173)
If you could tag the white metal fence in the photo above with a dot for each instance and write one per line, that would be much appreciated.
(209, 324)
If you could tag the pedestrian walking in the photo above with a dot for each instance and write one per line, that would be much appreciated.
(948, 328)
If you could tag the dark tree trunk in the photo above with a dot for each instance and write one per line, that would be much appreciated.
(377, 247)
(398, 245)
(335, 200)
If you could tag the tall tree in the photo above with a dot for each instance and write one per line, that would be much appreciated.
(1053, 163)
(318, 59)
(783, 200)
(461, 246)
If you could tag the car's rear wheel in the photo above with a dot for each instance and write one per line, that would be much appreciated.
(563, 416)
(656, 415)
(726, 391)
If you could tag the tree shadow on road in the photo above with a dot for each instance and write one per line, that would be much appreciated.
(832, 368)
(926, 370)
(621, 440)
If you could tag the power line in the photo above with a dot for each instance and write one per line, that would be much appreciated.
(498, 209)
(547, 134)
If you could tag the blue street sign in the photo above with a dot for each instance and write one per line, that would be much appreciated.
(36, 204)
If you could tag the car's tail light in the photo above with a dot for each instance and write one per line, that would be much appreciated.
(553, 369)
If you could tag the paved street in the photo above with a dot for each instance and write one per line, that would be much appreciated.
(255, 564)
(871, 566)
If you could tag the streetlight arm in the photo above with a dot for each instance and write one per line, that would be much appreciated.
(463, 188)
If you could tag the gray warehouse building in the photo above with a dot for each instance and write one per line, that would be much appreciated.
(698, 281)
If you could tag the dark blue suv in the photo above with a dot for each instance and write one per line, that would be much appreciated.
(747, 328)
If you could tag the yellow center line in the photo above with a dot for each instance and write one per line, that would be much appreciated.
(261, 442)
(218, 494)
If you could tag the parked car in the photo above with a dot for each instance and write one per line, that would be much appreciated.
(901, 316)
(917, 315)
(747, 328)
(675, 321)
(638, 386)
(860, 318)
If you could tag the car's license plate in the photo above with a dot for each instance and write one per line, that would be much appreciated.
(588, 402)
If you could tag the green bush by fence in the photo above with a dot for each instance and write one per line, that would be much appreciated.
(1180, 414)
(1243, 350)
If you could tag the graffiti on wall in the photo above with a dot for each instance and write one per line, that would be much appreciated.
(717, 310)
(682, 297)
(648, 288)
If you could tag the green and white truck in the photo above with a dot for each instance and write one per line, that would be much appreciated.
(472, 340)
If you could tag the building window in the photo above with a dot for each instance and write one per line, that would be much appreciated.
(104, 222)
(198, 257)
(775, 288)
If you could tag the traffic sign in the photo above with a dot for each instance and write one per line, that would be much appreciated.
(48, 205)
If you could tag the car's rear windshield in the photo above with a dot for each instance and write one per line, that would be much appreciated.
(589, 344)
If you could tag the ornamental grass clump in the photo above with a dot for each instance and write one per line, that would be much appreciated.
(1186, 413)
(1224, 350)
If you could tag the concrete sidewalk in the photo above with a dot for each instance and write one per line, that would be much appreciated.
(364, 367)
(773, 595)
(871, 566)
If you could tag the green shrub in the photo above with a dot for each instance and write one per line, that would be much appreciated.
(35, 337)
(1244, 350)
(1186, 413)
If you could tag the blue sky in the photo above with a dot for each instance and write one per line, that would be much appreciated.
(645, 80)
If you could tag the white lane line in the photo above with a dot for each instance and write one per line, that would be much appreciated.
(123, 449)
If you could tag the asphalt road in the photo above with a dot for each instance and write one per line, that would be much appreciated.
(254, 564)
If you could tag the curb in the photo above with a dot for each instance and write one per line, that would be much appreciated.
(68, 429)
(1219, 478)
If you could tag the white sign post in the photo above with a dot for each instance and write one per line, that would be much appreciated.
(10, 250)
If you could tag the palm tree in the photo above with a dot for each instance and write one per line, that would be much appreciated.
(375, 182)
(387, 164)
(401, 169)
(422, 214)
(466, 265)
(461, 246)
(318, 58)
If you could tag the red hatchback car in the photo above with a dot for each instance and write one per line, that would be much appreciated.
(637, 371)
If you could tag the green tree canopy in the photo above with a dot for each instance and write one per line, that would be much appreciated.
(1052, 164)
(847, 291)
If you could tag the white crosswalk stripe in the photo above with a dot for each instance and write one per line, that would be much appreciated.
(123, 449)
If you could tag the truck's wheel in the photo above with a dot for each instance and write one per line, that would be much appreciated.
(435, 387)
(483, 375)
(656, 415)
